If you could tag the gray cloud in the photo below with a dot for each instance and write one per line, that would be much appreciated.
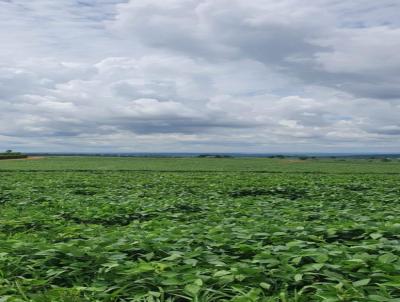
(200, 75)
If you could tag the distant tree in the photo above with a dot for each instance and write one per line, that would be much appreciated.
(303, 157)
(214, 156)
(9, 154)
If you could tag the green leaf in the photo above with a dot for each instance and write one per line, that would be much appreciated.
(387, 258)
(174, 256)
(265, 285)
(222, 273)
(191, 262)
(362, 282)
(192, 289)
(298, 277)
(198, 282)
(322, 258)
(376, 235)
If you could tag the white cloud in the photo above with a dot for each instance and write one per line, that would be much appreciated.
(359, 51)
(219, 75)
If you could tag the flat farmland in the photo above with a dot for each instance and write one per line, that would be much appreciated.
(289, 165)
(188, 229)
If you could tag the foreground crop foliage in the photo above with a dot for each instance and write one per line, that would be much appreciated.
(228, 236)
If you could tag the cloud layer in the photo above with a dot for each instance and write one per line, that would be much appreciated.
(209, 75)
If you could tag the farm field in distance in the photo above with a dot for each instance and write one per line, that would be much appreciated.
(80, 229)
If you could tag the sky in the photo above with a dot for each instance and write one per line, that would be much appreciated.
(255, 76)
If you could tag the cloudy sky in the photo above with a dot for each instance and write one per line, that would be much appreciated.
(200, 75)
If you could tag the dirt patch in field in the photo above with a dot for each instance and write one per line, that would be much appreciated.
(294, 161)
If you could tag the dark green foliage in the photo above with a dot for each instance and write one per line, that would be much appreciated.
(9, 154)
(237, 236)
(214, 156)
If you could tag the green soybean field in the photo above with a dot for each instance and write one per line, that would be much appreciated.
(80, 229)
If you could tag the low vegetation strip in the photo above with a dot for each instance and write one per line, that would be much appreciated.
(12, 155)
(138, 236)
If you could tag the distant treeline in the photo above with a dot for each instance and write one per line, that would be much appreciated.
(301, 156)
(214, 156)
(12, 155)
